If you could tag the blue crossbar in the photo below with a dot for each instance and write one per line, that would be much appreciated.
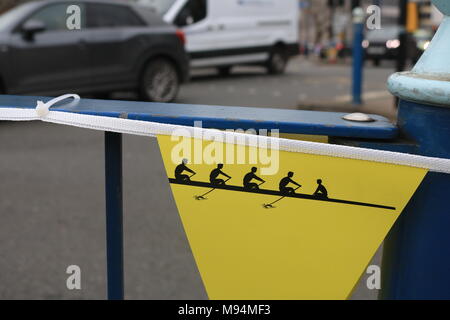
(220, 117)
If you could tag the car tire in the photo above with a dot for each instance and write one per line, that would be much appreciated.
(277, 61)
(224, 71)
(160, 81)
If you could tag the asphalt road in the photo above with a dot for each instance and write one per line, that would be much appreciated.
(52, 194)
(304, 81)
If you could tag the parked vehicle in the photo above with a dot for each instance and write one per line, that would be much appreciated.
(382, 44)
(422, 39)
(231, 32)
(118, 46)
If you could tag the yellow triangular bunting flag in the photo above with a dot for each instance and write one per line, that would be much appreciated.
(258, 235)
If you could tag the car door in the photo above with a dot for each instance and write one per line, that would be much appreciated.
(53, 60)
(113, 36)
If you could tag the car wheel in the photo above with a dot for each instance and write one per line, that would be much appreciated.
(224, 71)
(160, 81)
(278, 61)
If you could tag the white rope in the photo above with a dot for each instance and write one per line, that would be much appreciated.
(151, 129)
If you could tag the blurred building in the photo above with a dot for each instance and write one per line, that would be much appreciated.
(429, 15)
(323, 21)
(329, 21)
(314, 21)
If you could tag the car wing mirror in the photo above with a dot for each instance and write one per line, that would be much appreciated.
(31, 27)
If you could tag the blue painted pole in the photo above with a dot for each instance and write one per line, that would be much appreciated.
(416, 257)
(358, 56)
(114, 215)
(416, 254)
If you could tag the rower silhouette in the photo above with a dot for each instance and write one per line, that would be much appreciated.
(182, 168)
(213, 177)
(284, 189)
(321, 191)
(248, 184)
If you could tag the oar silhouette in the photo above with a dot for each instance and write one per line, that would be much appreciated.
(270, 205)
(202, 197)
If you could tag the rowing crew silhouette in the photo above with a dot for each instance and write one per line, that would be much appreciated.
(251, 182)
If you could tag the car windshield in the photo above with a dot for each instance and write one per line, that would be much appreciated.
(386, 33)
(159, 6)
(13, 15)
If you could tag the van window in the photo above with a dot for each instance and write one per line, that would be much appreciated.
(110, 16)
(192, 12)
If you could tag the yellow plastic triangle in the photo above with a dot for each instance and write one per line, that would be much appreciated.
(301, 248)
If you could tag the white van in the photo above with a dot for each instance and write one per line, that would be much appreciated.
(224, 33)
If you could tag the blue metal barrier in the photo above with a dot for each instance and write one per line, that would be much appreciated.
(287, 121)
(413, 246)
(416, 261)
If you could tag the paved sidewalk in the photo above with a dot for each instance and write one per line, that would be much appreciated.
(336, 87)
(375, 102)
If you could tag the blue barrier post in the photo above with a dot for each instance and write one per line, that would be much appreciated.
(358, 55)
(114, 215)
(416, 258)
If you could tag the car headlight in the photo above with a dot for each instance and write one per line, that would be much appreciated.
(365, 44)
(423, 45)
(393, 44)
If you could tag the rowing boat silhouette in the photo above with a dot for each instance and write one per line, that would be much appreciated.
(276, 193)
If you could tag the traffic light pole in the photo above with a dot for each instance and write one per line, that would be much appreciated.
(402, 50)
